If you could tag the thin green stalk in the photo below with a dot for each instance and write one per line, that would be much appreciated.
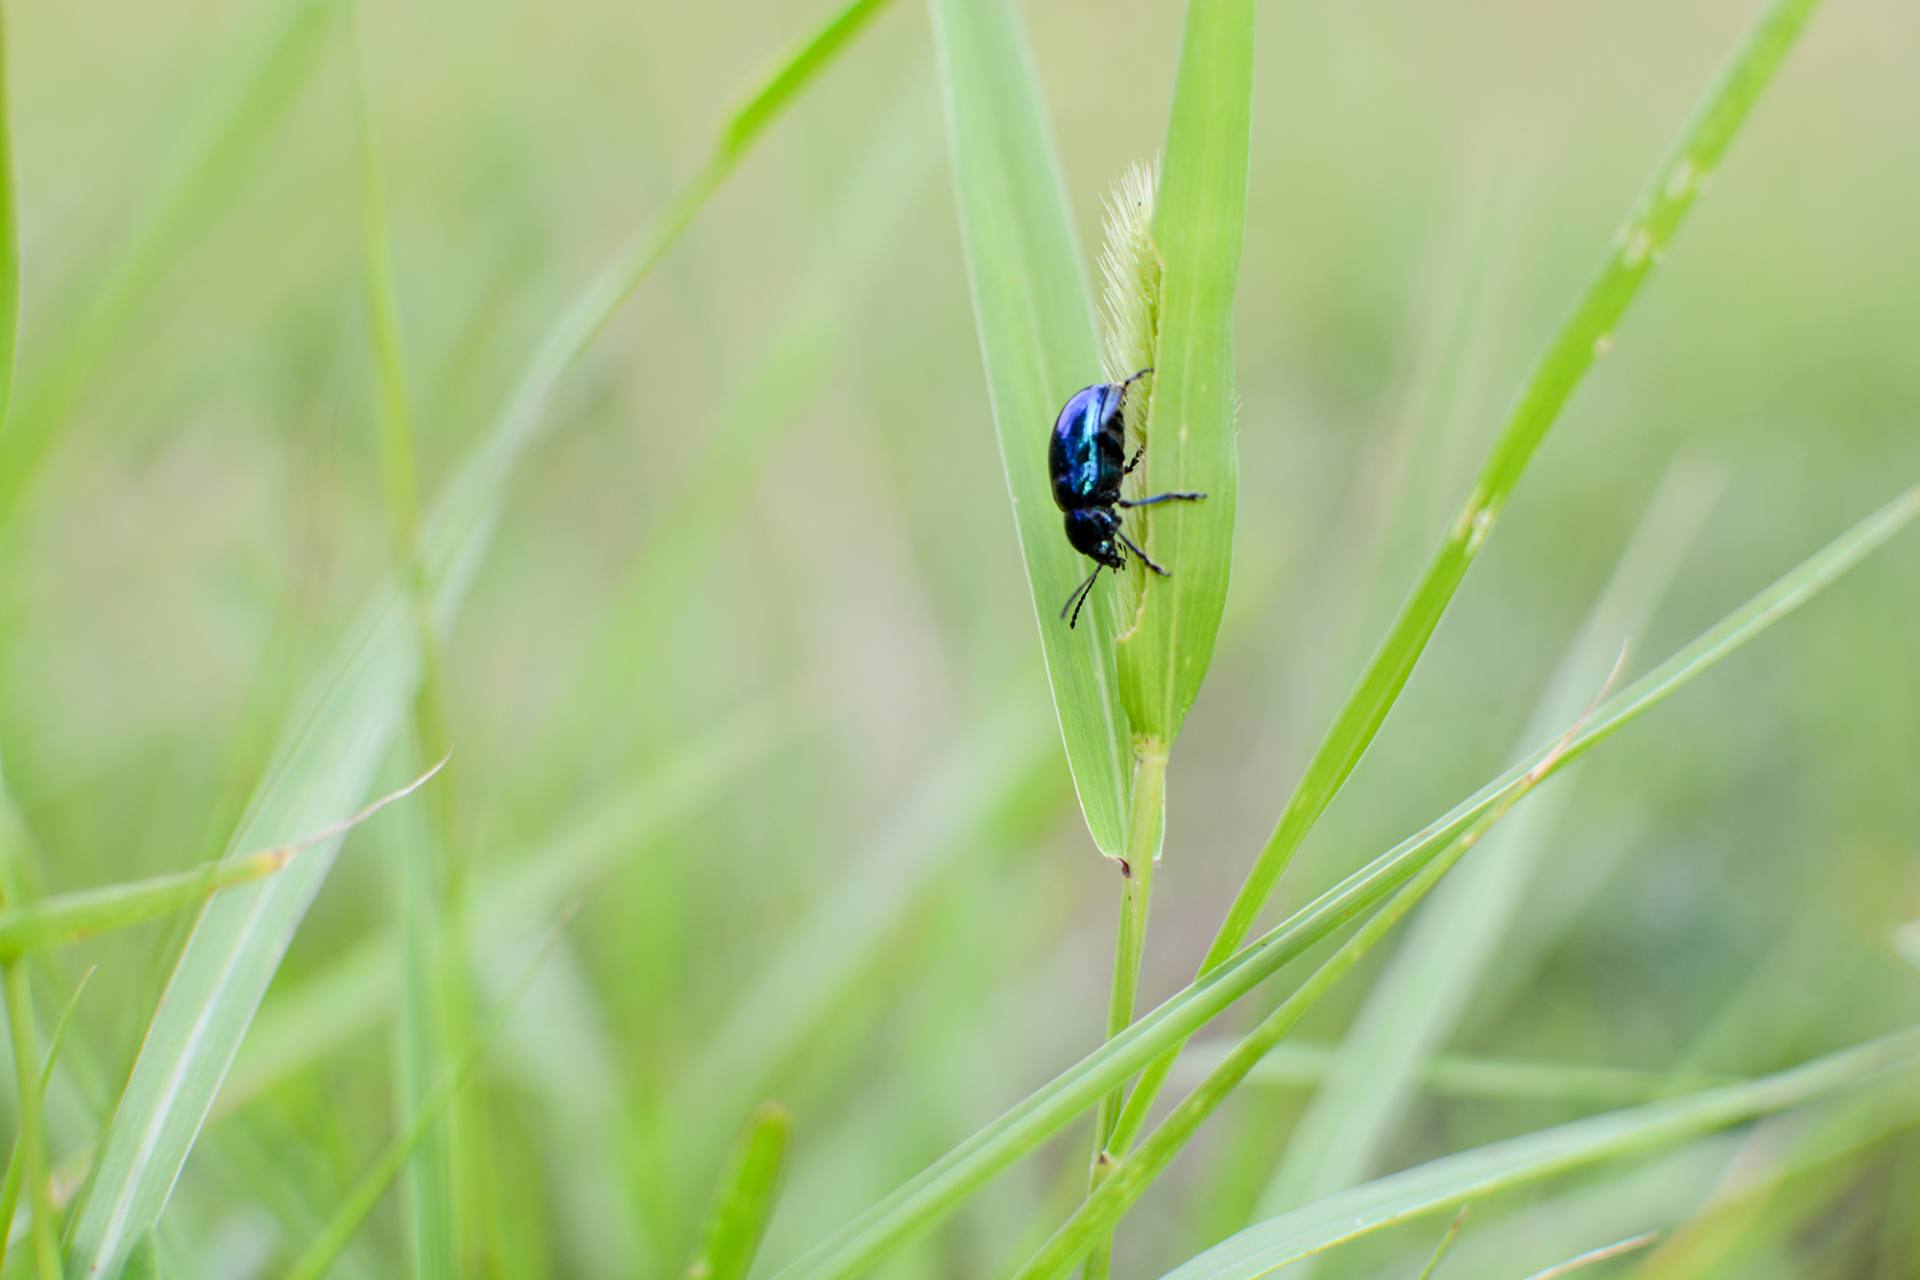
(429, 980)
(1446, 1242)
(9, 239)
(1144, 818)
(1092, 1224)
(941, 1187)
(33, 1131)
(366, 1193)
(1586, 335)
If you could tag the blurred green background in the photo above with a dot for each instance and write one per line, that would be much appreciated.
(770, 523)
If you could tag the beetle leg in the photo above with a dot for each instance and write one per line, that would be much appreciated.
(1138, 454)
(1177, 496)
(1134, 547)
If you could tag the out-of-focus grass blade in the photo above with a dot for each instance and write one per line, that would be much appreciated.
(9, 238)
(1197, 227)
(1412, 1008)
(935, 1192)
(1300, 1064)
(214, 168)
(1590, 1257)
(427, 982)
(356, 990)
(366, 1193)
(327, 758)
(69, 917)
(16, 1162)
(1584, 336)
(1472, 1175)
(1447, 1238)
(835, 944)
(1037, 341)
(743, 1202)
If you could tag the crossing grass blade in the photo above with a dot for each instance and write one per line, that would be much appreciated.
(1583, 338)
(1412, 1006)
(71, 917)
(1037, 341)
(743, 1202)
(1472, 1175)
(943, 1186)
(328, 754)
(1198, 224)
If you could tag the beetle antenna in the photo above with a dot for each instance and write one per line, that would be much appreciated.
(1079, 597)
(1136, 377)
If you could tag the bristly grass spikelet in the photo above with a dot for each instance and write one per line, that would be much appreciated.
(1129, 332)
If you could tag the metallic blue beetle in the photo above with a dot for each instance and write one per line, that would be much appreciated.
(1085, 458)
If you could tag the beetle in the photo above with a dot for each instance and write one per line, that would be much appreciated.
(1085, 461)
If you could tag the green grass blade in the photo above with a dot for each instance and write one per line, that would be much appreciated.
(327, 758)
(1471, 1175)
(352, 1213)
(1037, 342)
(212, 171)
(70, 917)
(1412, 1007)
(1585, 334)
(1447, 1238)
(1198, 224)
(944, 1185)
(9, 238)
(743, 1202)
(356, 990)
(1297, 1064)
(16, 1162)
(33, 1123)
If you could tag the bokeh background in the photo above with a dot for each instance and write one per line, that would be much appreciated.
(756, 608)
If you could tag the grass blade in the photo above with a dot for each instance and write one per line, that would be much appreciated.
(9, 238)
(327, 757)
(945, 1184)
(33, 1123)
(1129, 1179)
(207, 178)
(744, 1200)
(1199, 220)
(346, 1221)
(1296, 1064)
(1582, 338)
(1037, 342)
(70, 917)
(1412, 1007)
(1471, 1175)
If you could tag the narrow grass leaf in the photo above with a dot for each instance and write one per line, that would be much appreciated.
(1297, 1064)
(743, 1202)
(16, 1166)
(33, 1124)
(1447, 1238)
(355, 990)
(1606, 1251)
(70, 917)
(1484, 1171)
(1198, 224)
(328, 755)
(214, 167)
(1037, 341)
(366, 1193)
(9, 237)
(1412, 1007)
(939, 1189)
(1586, 334)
